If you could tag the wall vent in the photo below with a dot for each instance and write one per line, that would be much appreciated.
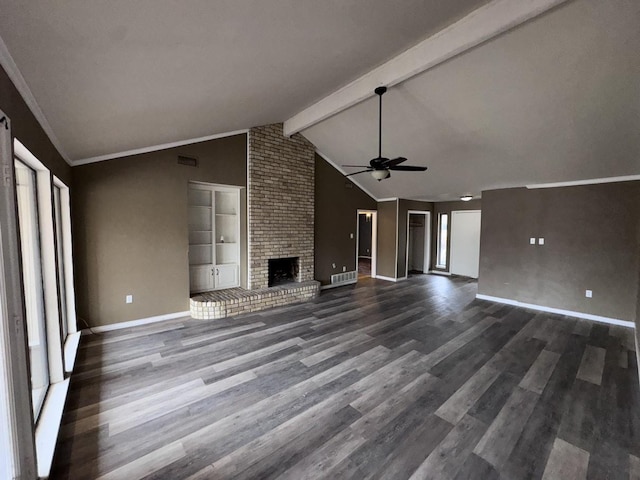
(188, 161)
(344, 278)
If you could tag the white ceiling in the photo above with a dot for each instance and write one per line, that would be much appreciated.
(119, 75)
(556, 99)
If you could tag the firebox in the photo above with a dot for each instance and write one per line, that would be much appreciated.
(283, 270)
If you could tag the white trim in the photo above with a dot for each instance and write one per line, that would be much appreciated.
(390, 279)
(427, 253)
(637, 350)
(343, 284)
(70, 350)
(389, 199)
(137, 323)
(481, 25)
(397, 233)
(440, 272)
(49, 426)
(592, 181)
(9, 65)
(337, 167)
(559, 311)
(374, 239)
(248, 259)
(155, 148)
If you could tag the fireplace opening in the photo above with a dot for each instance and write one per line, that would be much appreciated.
(283, 270)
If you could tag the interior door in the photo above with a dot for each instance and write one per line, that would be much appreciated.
(465, 243)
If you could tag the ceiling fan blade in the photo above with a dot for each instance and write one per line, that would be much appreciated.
(355, 173)
(394, 161)
(408, 168)
(356, 166)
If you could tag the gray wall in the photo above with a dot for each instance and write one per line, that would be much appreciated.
(387, 235)
(131, 232)
(591, 233)
(336, 205)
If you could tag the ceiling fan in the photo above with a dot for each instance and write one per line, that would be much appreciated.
(381, 167)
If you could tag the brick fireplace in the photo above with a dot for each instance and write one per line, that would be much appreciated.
(280, 202)
(280, 207)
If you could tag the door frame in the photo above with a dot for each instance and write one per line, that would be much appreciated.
(426, 267)
(451, 235)
(374, 239)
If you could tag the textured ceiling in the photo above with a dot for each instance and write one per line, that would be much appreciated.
(556, 99)
(119, 75)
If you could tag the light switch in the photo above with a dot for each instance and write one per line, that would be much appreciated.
(541, 241)
(588, 293)
(128, 299)
(344, 269)
(532, 241)
(351, 235)
(333, 265)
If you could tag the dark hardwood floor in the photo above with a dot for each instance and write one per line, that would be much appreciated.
(415, 379)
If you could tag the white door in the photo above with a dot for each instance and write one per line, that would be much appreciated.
(465, 243)
(201, 278)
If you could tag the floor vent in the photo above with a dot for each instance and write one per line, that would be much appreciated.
(344, 278)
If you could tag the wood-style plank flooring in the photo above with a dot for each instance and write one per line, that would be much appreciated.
(415, 379)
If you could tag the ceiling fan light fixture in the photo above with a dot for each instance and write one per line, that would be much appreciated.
(466, 198)
(380, 174)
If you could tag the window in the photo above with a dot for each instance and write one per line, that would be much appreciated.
(443, 233)
(26, 192)
(62, 293)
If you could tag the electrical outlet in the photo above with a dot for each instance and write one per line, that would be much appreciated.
(588, 293)
(351, 235)
(541, 241)
(532, 241)
(333, 265)
(344, 268)
(128, 299)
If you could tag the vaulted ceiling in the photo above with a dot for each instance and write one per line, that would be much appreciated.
(552, 99)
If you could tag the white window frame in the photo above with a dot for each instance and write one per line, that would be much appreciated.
(19, 458)
(48, 424)
(73, 336)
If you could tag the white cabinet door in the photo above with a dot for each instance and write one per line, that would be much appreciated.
(227, 276)
(465, 243)
(201, 278)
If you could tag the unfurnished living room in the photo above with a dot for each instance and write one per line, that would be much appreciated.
(297, 239)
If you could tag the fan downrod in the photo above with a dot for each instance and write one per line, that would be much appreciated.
(380, 91)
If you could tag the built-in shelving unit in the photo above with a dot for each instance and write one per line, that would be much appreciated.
(214, 237)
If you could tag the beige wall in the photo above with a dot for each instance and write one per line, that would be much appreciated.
(591, 236)
(403, 208)
(337, 203)
(131, 231)
(447, 207)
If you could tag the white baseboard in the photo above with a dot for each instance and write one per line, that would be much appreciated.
(336, 285)
(140, 321)
(440, 272)
(559, 311)
(391, 279)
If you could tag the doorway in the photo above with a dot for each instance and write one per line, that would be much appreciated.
(366, 242)
(418, 242)
(465, 243)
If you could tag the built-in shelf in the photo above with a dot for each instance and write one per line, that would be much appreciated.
(213, 215)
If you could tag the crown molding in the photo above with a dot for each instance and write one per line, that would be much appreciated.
(14, 74)
(155, 148)
(481, 25)
(339, 169)
(592, 181)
